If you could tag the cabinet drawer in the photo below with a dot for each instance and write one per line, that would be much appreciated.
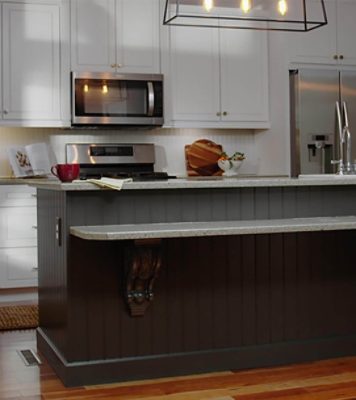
(18, 267)
(17, 196)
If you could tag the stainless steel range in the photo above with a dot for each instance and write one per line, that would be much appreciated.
(114, 160)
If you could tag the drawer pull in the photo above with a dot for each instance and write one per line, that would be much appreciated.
(34, 227)
(34, 195)
(35, 269)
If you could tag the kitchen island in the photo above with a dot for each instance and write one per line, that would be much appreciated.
(140, 307)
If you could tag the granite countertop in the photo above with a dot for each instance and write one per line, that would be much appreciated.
(201, 183)
(213, 228)
(8, 180)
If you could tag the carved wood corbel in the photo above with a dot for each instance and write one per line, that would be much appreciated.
(143, 263)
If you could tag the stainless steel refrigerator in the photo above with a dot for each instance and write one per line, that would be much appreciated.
(314, 95)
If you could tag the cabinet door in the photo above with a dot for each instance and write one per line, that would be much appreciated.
(93, 35)
(319, 45)
(31, 61)
(18, 226)
(18, 267)
(138, 36)
(346, 31)
(244, 75)
(195, 74)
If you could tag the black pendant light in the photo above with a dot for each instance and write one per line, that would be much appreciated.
(274, 15)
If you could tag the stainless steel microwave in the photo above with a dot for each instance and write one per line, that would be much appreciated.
(117, 99)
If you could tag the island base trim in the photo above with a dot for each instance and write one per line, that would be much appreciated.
(166, 365)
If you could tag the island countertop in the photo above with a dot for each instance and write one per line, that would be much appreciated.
(202, 183)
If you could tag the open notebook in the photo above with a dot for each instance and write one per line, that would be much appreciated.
(110, 183)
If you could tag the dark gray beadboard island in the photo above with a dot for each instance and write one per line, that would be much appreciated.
(135, 284)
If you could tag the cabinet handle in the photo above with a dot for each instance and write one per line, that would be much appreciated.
(119, 65)
(225, 113)
(335, 57)
(112, 65)
(341, 57)
(34, 227)
(34, 195)
(218, 114)
(35, 269)
(5, 112)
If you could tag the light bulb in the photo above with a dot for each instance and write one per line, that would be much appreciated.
(282, 7)
(246, 5)
(208, 5)
(105, 88)
(86, 88)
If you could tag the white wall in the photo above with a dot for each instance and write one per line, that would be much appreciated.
(169, 143)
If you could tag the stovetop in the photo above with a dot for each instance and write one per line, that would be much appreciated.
(115, 160)
(136, 176)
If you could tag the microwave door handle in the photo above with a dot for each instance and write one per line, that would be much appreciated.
(151, 99)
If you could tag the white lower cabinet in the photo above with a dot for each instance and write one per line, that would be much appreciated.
(18, 267)
(18, 236)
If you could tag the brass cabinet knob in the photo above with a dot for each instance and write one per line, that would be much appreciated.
(341, 57)
(119, 65)
(335, 57)
(113, 65)
(225, 113)
(218, 114)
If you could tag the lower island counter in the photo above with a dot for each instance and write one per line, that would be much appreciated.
(163, 279)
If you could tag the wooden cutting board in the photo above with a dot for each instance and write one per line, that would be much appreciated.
(201, 158)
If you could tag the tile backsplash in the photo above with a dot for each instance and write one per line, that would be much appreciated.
(169, 143)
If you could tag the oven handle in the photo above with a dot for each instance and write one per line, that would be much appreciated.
(151, 99)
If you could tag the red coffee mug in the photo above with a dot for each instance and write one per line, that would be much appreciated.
(66, 172)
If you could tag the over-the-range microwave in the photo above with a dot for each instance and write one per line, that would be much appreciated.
(106, 99)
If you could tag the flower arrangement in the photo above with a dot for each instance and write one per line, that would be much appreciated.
(237, 156)
(231, 164)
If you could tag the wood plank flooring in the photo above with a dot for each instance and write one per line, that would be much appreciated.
(323, 380)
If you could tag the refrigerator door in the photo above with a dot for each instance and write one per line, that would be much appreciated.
(348, 95)
(314, 93)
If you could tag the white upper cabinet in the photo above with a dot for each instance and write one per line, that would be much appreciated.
(216, 78)
(31, 65)
(115, 35)
(195, 74)
(346, 31)
(332, 43)
(93, 35)
(244, 80)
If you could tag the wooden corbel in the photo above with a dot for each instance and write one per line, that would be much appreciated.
(143, 263)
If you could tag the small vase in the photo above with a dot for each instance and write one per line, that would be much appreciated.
(230, 167)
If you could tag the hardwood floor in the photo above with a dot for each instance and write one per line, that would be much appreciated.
(323, 380)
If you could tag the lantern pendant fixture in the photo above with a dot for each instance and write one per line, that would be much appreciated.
(274, 15)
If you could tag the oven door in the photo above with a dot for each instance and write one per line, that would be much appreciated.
(113, 99)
